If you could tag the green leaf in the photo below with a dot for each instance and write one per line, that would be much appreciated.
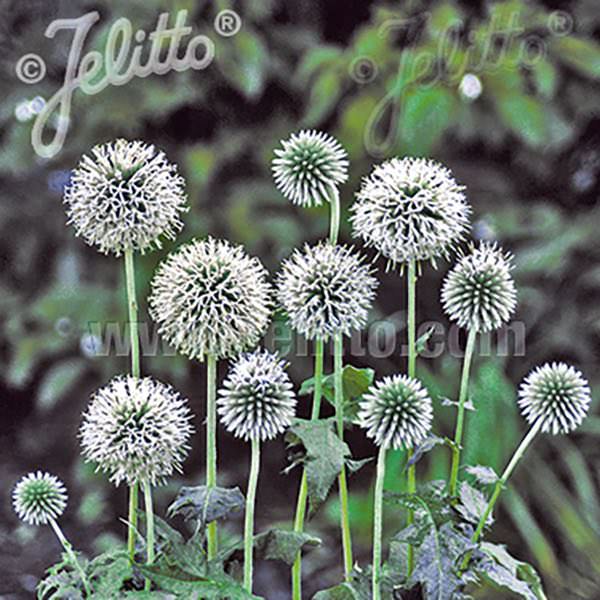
(472, 504)
(279, 544)
(315, 59)
(430, 442)
(58, 380)
(355, 383)
(581, 54)
(343, 591)
(206, 505)
(483, 475)
(324, 456)
(324, 95)
(524, 116)
(421, 343)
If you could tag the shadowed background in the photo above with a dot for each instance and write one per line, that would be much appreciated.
(522, 136)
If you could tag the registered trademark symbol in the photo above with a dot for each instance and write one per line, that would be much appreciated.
(227, 23)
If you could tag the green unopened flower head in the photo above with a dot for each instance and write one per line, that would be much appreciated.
(411, 209)
(125, 196)
(136, 430)
(396, 412)
(39, 497)
(326, 290)
(557, 395)
(479, 292)
(257, 399)
(309, 167)
(210, 297)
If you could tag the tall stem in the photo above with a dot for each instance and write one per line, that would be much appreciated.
(334, 222)
(378, 523)
(134, 342)
(412, 370)
(149, 527)
(303, 492)
(460, 418)
(338, 350)
(249, 520)
(211, 445)
(69, 550)
(500, 485)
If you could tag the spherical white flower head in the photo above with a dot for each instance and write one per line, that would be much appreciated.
(136, 430)
(479, 292)
(410, 209)
(39, 497)
(396, 412)
(309, 167)
(125, 196)
(257, 400)
(557, 395)
(210, 297)
(326, 290)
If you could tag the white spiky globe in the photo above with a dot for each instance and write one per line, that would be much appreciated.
(39, 498)
(210, 297)
(309, 167)
(136, 430)
(257, 399)
(396, 412)
(125, 196)
(479, 292)
(411, 209)
(326, 290)
(557, 395)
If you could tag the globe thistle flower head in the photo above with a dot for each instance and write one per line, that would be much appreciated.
(137, 430)
(410, 209)
(210, 297)
(557, 395)
(125, 196)
(396, 412)
(309, 167)
(479, 292)
(39, 497)
(326, 290)
(257, 400)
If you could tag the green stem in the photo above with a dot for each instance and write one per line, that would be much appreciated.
(412, 370)
(460, 418)
(338, 350)
(149, 528)
(134, 342)
(500, 486)
(69, 550)
(211, 445)
(303, 492)
(249, 521)
(378, 523)
(334, 222)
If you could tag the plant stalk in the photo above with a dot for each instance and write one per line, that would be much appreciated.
(211, 445)
(338, 350)
(249, 520)
(500, 486)
(303, 492)
(134, 342)
(334, 221)
(69, 550)
(460, 418)
(149, 528)
(378, 524)
(412, 370)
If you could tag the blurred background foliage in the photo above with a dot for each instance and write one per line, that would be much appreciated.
(517, 123)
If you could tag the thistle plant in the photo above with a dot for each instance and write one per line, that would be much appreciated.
(308, 170)
(40, 499)
(256, 403)
(210, 301)
(478, 294)
(553, 398)
(124, 197)
(137, 431)
(411, 210)
(396, 413)
(326, 292)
